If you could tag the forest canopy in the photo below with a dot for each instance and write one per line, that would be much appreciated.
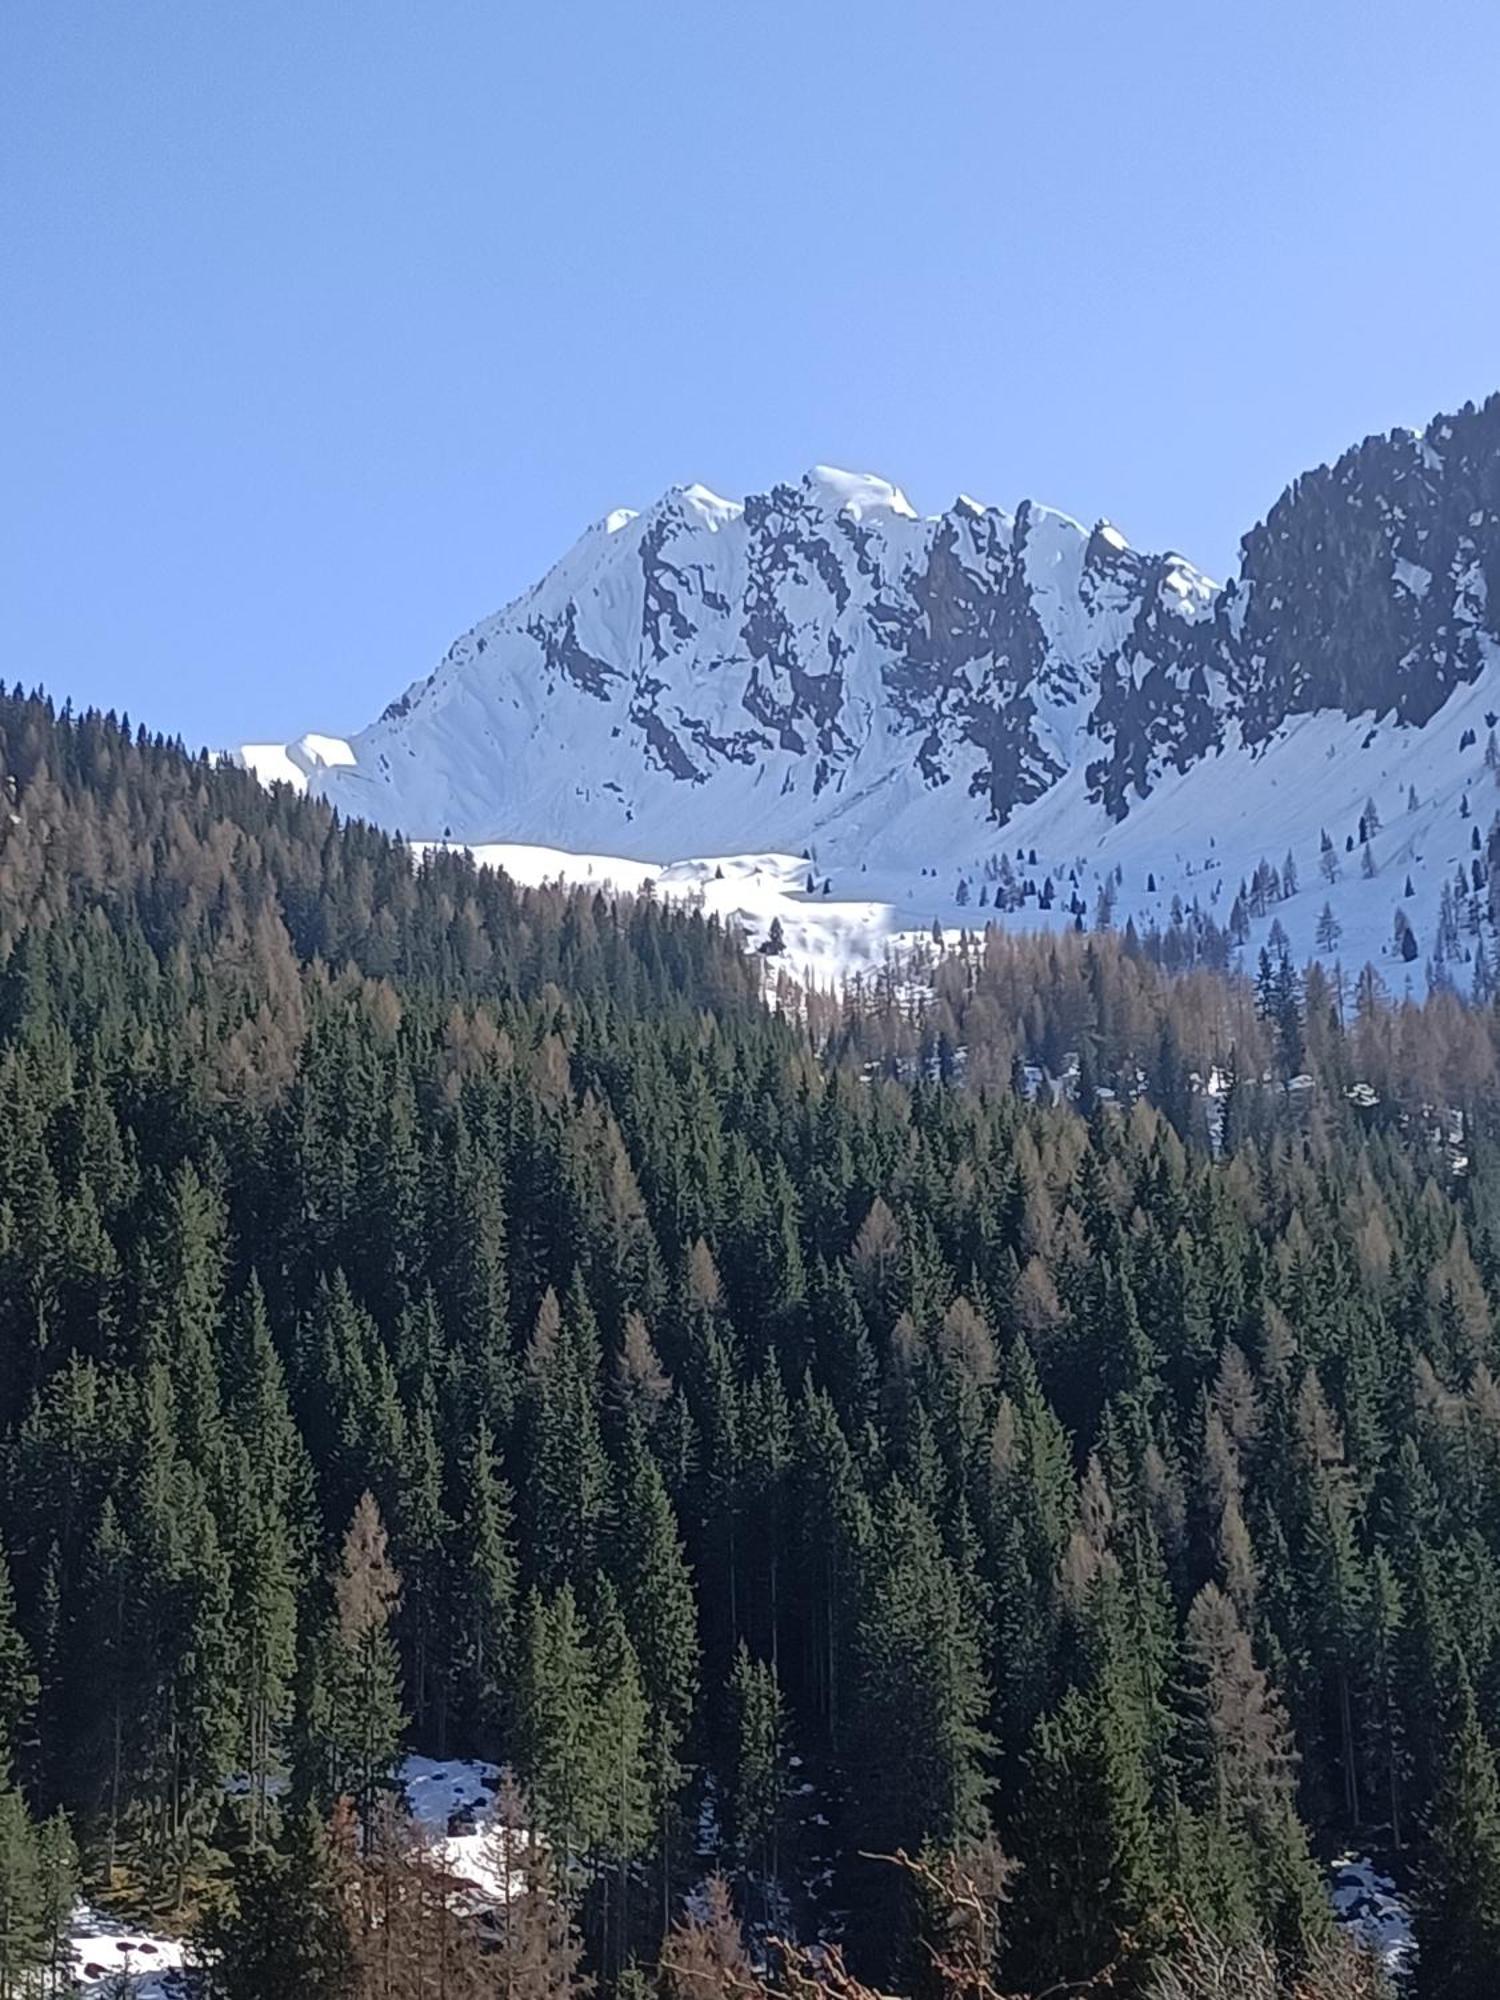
(438, 1316)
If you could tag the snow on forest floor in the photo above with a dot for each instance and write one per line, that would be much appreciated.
(1370, 1910)
(102, 1947)
(454, 1800)
(441, 1791)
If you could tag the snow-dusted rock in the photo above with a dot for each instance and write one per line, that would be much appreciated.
(908, 704)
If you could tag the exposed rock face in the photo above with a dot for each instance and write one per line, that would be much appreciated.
(818, 664)
(1372, 584)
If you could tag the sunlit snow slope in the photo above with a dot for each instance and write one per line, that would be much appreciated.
(906, 719)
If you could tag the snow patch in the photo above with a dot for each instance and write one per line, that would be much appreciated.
(1369, 1909)
(454, 1799)
(101, 1949)
(858, 494)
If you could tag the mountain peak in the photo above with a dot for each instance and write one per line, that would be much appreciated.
(705, 506)
(818, 669)
(860, 495)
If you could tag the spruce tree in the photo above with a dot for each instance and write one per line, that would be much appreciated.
(263, 1631)
(556, 1740)
(755, 1792)
(291, 1926)
(19, 1686)
(649, 1568)
(1458, 1913)
(482, 1580)
(566, 1488)
(25, 1909)
(919, 1752)
(57, 1889)
(623, 1815)
(1090, 1876)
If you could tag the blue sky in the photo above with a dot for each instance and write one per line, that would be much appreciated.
(325, 328)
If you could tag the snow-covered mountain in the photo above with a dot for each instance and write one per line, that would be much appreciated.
(814, 658)
(977, 709)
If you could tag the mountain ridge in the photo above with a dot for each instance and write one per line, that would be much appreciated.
(804, 622)
(820, 670)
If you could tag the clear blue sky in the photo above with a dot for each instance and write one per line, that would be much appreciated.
(325, 327)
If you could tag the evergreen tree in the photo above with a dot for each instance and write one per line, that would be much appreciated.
(755, 1792)
(557, 1742)
(483, 1580)
(1089, 1876)
(25, 1943)
(19, 1686)
(647, 1563)
(57, 1889)
(916, 1300)
(623, 1814)
(1459, 1911)
(292, 1924)
(567, 1483)
(919, 1752)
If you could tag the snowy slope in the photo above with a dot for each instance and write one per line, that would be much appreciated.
(944, 718)
(810, 660)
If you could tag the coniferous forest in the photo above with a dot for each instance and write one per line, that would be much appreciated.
(439, 1317)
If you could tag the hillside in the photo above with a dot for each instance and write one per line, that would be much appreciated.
(449, 1326)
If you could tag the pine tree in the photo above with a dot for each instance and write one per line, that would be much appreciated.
(1458, 1924)
(918, 1763)
(482, 1580)
(755, 1792)
(25, 1940)
(292, 1924)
